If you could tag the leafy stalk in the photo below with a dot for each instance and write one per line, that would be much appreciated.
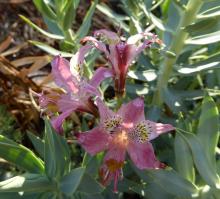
(188, 17)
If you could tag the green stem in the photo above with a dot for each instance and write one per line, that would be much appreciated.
(189, 16)
(119, 102)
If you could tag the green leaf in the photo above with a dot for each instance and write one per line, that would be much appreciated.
(56, 154)
(205, 39)
(20, 156)
(53, 26)
(47, 34)
(156, 21)
(80, 195)
(147, 76)
(89, 185)
(84, 28)
(202, 25)
(210, 13)
(49, 49)
(137, 89)
(69, 14)
(38, 143)
(26, 195)
(202, 162)
(184, 159)
(71, 181)
(60, 4)
(173, 100)
(212, 62)
(153, 191)
(27, 183)
(117, 20)
(208, 128)
(170, 181)
(45, 9)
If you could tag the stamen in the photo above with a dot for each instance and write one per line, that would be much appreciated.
(114, 165)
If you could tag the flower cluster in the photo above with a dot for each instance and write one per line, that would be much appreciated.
(120, 132)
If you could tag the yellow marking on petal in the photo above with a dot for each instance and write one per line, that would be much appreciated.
(140, 132)
(112, 123)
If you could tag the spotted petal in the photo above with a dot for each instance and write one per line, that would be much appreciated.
(143, 155)
(94, 141)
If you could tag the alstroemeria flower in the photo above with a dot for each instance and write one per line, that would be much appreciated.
(78, 91)
(120, 54)
(121, 132)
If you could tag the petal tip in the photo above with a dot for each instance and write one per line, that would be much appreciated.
(138, 102)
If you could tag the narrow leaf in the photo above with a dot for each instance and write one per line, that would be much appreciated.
(208, 129)
(49, 49)
(114, 17)
(20, 156)
(38, 144)
(212, 62)
(202, 162)
(47, 34)
(27, 183)
(45, 9)
(56, 153)
(69, 13)
(84, 28)
(205, 39)
(148, 75)
(184, 159)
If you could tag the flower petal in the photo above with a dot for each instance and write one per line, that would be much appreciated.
(97, 44)
(100, 74)
(135, 50)
(158, 129)
(113, 163)
(132, 112)
(89, 90)
(104, 112)
(113, 58)
(66, 103)
(94, 141)
(77, 61)
(135, 38)
(62, 75)
(114, 158)
(58, 121)
(143, 155)
(110, 36)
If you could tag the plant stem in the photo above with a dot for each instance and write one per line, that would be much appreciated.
(119, 101)
(189, 16)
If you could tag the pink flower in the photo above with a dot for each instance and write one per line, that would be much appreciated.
(120, 54)
(121, 132)
(78, 91)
